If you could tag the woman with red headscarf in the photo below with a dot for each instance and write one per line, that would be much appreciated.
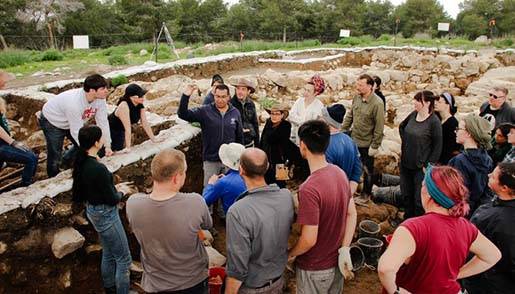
(427, 254)
(307, 107)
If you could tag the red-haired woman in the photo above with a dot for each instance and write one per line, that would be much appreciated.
(427, 254)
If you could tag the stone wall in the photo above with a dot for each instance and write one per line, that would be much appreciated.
(50, 247)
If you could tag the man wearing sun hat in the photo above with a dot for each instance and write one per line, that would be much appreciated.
(241, 100)
(229, 185)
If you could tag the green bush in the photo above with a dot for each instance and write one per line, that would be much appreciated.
(384, 38)
(267, 103)
(11, 58)
(352, 41)
(119, 80)
(117, 60)
(51, 55)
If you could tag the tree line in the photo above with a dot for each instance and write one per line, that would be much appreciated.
(51, 23)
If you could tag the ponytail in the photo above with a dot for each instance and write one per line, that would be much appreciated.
(81, 156)
(461, 208)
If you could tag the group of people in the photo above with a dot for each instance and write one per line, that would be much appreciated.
(167, 222)
(62, 117)
(458, 205)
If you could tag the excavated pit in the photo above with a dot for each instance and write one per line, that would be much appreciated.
(30, 217)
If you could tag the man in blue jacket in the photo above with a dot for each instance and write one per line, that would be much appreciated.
(342, 151)
(220, 123)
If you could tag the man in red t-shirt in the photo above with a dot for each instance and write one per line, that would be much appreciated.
(327, 214)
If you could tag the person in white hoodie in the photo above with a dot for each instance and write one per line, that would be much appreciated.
(307, 107)
(63, 116)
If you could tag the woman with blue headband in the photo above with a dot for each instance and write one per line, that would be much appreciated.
(445, 108)
(427, 254)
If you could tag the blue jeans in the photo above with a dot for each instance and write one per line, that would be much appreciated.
(54, 137)
(29, 159)
(116, 257)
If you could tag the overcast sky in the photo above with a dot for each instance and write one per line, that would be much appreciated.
(450, 6)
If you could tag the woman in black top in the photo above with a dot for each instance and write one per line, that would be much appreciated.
(93, 185)
(130, 110)
(275, 141)
(445, 108)
(421, 135)
(500, 144)
(377, 89)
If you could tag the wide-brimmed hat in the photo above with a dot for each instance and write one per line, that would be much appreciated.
(334, 115)
(230, 155)
(245, 83)
(134, 90)
(279, 106)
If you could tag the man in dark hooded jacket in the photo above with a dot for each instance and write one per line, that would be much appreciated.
(241, 101)
(474, 163)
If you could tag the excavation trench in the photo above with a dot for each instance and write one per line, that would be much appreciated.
(29, 221)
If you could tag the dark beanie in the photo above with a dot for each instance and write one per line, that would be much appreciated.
(217, 78)
(333, 115)
(337, 112)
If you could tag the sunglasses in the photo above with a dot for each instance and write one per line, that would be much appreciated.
(495, 96)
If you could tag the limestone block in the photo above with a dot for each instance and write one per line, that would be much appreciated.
(66, 241)
(398, 76)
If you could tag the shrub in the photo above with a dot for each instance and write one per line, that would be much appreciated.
(352, 41)
(119, 80)
(51, 55)
(384, 38)
(267, 102)
(117, 60)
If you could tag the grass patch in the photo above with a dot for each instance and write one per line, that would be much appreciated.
(28, 62)
(12, 58)
(119, 80)
(117, 60)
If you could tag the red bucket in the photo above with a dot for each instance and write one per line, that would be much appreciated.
(216, 280)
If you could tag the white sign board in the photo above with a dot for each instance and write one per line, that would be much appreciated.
(80, 42)
(344, 33)
(443, 26)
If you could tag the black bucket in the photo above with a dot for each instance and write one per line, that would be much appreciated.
(368, 228)
(357, 257)
(371, 249)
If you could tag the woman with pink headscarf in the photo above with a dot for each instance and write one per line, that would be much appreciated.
(307, 107)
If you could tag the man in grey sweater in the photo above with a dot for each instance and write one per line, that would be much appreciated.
(258, 226)
(166, 223)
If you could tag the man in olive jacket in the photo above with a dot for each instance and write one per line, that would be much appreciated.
(366, 118)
